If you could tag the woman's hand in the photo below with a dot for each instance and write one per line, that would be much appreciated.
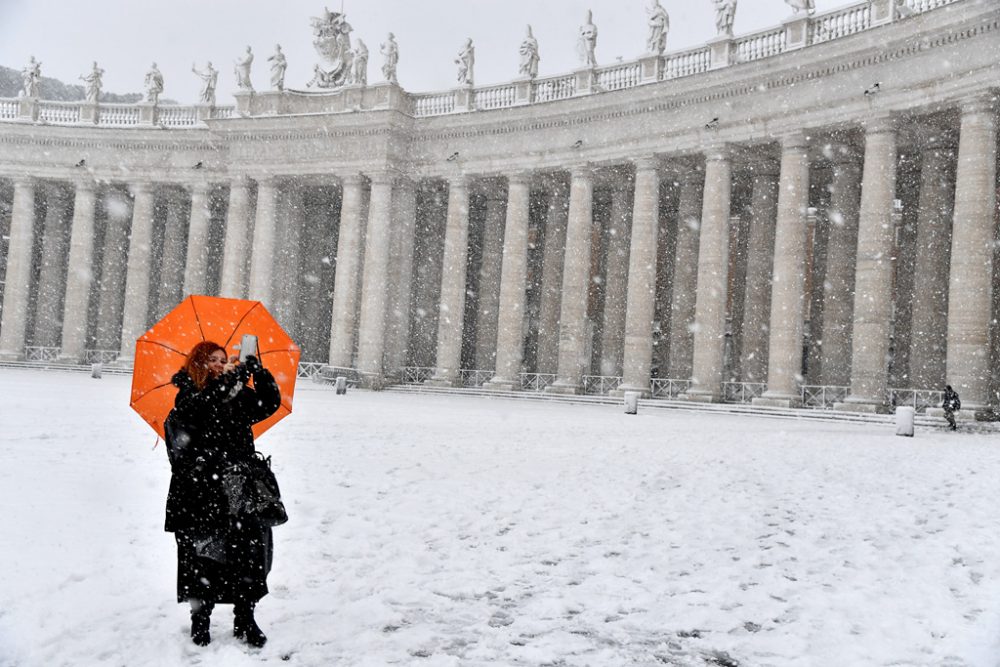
(231, 364)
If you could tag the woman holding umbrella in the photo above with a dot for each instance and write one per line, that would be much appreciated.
(221, 557)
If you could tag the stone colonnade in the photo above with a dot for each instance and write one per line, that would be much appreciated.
(772, 264)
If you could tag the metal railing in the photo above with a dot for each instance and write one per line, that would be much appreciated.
(742, 392)
(823, 396)
(536, 381)
(474, 378)
(600, 385)
(918, 399)
(309, 370)
(415, 374)
(667, 387)
(100, 356)
(41, 353)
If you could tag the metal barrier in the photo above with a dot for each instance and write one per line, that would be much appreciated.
(41, 353)
(918, 399)
(742, 392)
(668, 388)
(823, 396)
(474, 378)
(309, 370)
(536, 381)
(600, 385)
(415, 374)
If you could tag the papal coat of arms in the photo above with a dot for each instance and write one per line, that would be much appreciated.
(332, 39)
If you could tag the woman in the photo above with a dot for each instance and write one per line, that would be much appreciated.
(221, 558)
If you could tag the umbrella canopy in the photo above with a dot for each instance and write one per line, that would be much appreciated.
(163, 350)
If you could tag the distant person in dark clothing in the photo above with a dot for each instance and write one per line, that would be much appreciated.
(221, 558)
(950, 404)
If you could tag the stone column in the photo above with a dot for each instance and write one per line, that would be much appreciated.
(17, 285)
(404, 216)
(489, 282)
(374, 289)
(616, 283)
(262, 254)
(638, 352)
(52, 277)
(573, 330)
(237, 245)
(760, 265)
(172, 267)
(713, 266)
(134, 320)
(513, 285)
(196, 265)
(788, 289)
(970, 279)
(929, 320)
(348, 275)
(452, 304)
(114, 259)
(79, 276)
(287, 271)
(682, 308)
(552, 267)
(841, 253)
(873, 276)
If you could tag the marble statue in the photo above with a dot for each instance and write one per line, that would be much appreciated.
(391, 52)
(466, 60)
(359, 76)
(154, 84)
(278, 67)
(587, 41)
(30, 76)
(242, 70)
(332, 41)
(94, 82)
(209, 80)
(725, 12)
(529, 56)
(807, 6)
(659, 25)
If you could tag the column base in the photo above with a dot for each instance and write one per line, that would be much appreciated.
(863, 405)
(442, 381)
(700, 396)
(502, 384)
(562, 387)
(373, 381)
(777, 399)
(11, 356)
(644, 392)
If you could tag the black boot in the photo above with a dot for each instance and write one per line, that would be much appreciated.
(245, 627)
(201, 617)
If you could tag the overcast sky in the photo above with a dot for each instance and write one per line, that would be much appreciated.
(126, 36)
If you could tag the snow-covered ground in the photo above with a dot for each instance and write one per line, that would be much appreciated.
(432, 530)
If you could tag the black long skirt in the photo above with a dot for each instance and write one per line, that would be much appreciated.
(226, 568)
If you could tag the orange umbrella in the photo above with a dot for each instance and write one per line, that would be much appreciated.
(163, 350)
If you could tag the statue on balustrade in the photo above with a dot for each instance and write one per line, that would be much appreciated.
(587, 42)
(807, 6)
(332, 41)
(154, 84)
(466, 60)
(278, 67)
(30, 76)
(659, 25)
(242, 70)
(359, 76)
(529, 56)
(725, 13)
(391, 52)
(209, 80)
(93, 81)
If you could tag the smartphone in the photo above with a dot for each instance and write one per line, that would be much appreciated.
(248, 347)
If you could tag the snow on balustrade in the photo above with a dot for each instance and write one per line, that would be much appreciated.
(171, 116)
(760, 45)
(687, 63)
(117, 115)
(223, 112)
(434, 104)
(558, 88)
(840, 23)
(496, 97)
(59, 113)
(920, 6)
(619, 76)
(9, 109)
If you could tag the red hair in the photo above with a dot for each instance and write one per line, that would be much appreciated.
(196, 365)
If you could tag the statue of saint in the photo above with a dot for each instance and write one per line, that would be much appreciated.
(659, 25)
(278, 67)
(466, 60)
(30, 76)
(587, 42)
(807, 6)
(154, 84)
(242, 70)
(725, 12)
(359, 76)
(209, 80)
(529, 56)
(93, 81)
(391, 52)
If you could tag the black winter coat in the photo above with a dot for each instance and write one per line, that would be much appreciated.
(207, 431)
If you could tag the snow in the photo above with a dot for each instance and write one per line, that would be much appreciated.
(432, 530)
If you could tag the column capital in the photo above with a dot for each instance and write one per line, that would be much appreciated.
(881, 124)
(581, 170)
(982, 103)
(796, 141)
(646, 163)
(353, 178)
(239, 181)
(520, 177)
(460, 180)
(25, 181)
(267, 181)
(382, 177)
(718, 153)
(140, 187)
(198, 187)
(87, 184)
